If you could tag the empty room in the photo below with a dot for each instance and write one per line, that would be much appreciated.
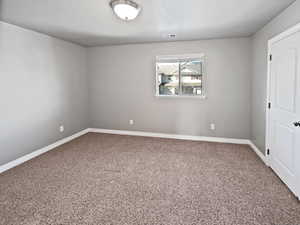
(149, 112)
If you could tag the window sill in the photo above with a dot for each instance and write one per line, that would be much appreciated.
(202, 97)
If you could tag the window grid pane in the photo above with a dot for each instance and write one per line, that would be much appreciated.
(168, 78)
(191, 77)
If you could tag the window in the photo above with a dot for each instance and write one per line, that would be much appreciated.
(180, 75)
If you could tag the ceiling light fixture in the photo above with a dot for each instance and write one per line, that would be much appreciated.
(125, 9)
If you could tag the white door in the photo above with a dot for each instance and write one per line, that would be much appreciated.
(284, 112)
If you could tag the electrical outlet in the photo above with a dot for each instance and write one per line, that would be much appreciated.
(212, 126)
(61, 129)
(131, 122)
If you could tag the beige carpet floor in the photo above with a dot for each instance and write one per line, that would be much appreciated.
(122, 180)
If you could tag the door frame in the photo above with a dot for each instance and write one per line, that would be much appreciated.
(284, 34)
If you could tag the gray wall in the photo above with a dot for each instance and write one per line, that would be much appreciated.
(42, 84)
(286, 19)
(122, 87)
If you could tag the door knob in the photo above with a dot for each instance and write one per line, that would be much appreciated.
(297, 124)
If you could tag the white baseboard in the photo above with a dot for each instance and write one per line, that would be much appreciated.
(258, 152)
(171, 136)
(38, 152)
(132, 133)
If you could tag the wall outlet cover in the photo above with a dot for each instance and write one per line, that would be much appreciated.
(61, 129)
(212, 126)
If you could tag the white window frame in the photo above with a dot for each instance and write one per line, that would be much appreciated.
(179, 58)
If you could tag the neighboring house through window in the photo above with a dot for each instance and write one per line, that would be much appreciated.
(180, 75)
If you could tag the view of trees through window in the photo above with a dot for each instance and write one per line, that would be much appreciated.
(180, 77)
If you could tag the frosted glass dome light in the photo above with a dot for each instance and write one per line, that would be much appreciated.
(125, 9)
